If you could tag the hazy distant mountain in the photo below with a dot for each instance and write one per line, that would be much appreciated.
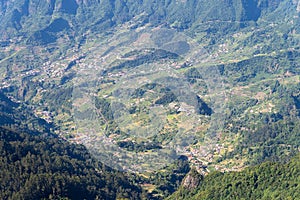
(39, 18)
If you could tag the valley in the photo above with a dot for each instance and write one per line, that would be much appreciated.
(157, 89)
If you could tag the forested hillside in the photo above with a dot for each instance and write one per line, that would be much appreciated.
(40, 165)
(265, 181)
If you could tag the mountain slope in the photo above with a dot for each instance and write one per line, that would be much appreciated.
(17, 17)
(18, 116)
(265, 181)
(37, 165)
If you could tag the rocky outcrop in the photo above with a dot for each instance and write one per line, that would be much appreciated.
(192, 180)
